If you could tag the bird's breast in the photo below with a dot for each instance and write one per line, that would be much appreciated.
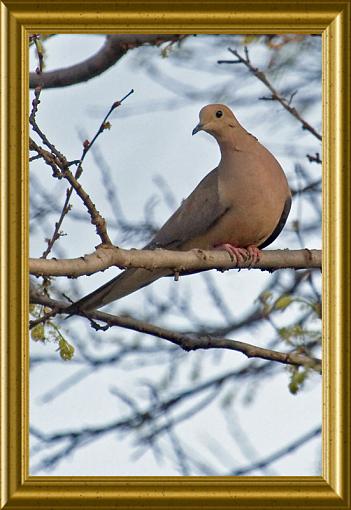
(254, 191)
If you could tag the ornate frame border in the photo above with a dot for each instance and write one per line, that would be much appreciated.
(332, 20)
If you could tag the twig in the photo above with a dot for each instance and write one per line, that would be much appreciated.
(312, 186)
(57, 234)
(314, 159)
(275, 94)
(96, 219)
(33, 158)
(278, 454)
(104, 125)
(39, 70)
(61, 166)
(51, 162)
(56, 165)
(61, 170)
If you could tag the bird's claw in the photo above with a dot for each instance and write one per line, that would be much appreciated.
(254, 254)
(239, 254)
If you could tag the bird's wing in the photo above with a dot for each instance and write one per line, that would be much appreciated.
(195, 216)
(280, 225)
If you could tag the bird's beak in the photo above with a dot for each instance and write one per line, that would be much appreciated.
(199, 127)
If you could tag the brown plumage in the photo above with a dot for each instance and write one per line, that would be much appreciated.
(244, 202)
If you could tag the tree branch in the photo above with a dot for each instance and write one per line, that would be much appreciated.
(275, 94)
(177, 261)
(266, 461)
(61, 170)
(60, 167)
(113, 49)
(187, 342)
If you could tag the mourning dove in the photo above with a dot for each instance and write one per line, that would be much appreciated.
(240, 206)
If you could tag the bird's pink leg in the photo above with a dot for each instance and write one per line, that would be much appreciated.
(240, 254)
(254, 253)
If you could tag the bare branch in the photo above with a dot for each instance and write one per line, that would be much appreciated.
(278, 454)
(60, 167)
(275, 94)
(87, 145)
(187, 342)
(62, 170)
(177, 261)
(314, 159)
(312, 186)
(113, 49)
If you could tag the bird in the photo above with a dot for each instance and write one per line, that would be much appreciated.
(241, 206)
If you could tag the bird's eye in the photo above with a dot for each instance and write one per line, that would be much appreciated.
(219, 114)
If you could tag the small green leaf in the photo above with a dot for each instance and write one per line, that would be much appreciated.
(38, 333)
(297, 380)
(249, 39)
(293, 387)
(284, 333)
(283, 302)
(66, 349)
(32, 309)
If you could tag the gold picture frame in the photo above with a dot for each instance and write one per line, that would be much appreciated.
(332, 20)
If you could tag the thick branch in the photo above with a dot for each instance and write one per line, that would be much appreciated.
(188, 342)
(176, 261)
(114, 47)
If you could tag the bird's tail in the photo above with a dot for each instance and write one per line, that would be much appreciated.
(127, 282)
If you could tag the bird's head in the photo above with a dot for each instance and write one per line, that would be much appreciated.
(215, 119)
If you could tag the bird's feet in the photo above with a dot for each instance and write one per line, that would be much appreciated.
(240, 254)
(254, 253)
